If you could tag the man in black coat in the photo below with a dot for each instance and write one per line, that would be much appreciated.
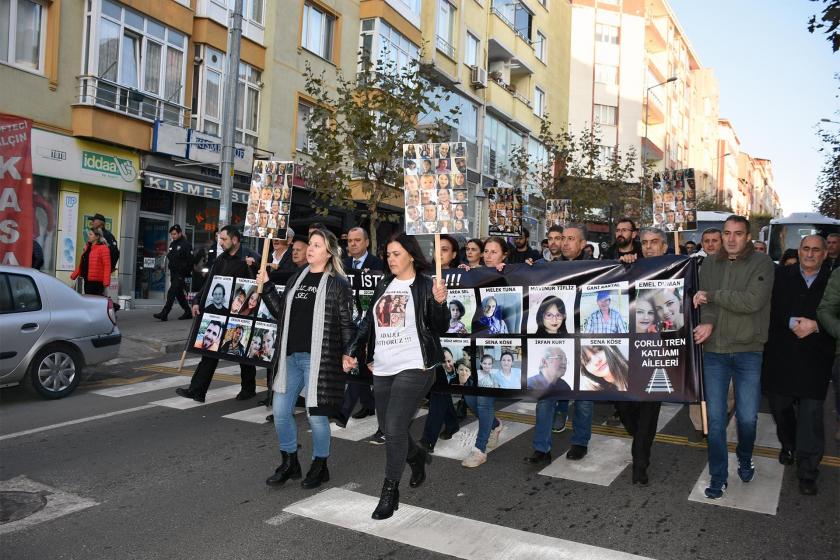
(231, 262)
(797, 361)
(180, 263)
(626, 241)
(358, 243)
(522, 253)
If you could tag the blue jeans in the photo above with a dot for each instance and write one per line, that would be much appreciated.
(744, 369)
(582, 422)
(297, 377)
(485, 409)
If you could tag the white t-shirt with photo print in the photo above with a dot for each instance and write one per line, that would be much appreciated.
(397, 342)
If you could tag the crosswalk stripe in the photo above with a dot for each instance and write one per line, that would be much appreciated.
(236, 369)
(359, 429)
(761, 495)
(765, 431)
(605, 459)
(253, 415)
(138, 388)
(666, 414)
(189, 362)
(463, 441)
(212, 396)
(521, 407)
(441, 532)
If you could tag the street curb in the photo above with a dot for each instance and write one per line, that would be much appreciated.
(160, 346)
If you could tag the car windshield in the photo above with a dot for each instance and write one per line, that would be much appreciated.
(788, 236)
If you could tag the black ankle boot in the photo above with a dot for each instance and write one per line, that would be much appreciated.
(289, 468)
(418, 464)
(388, 501)
(317, 474)
(640, 476)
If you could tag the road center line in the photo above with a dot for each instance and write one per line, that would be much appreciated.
(73, 422)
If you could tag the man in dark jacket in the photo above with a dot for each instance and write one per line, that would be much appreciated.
(553, 252)
(797, 361)
(626, 242)
(203, 260)
(358, 257)
(231, 262)
(180, 263)
(522, 253)
(832, 259)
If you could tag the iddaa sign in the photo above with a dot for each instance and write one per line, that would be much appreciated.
(112, 165)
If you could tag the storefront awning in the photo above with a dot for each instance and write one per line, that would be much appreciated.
(189, 187)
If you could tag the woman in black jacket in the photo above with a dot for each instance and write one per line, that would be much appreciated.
(318, 306)
(403, 354)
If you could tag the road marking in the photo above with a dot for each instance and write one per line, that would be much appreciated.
(463, 441)
(765, 431)
(58, 503)
(760, 496)
(212, 396)
(236, 370)
(189, 362)
(666, 414)
(359, 429)
(521, 407)
(441, 532)
(73, 422)
(605, 459)
(253, 415)
(280, 519)
(138, 388)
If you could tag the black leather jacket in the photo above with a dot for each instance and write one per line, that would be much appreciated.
(339, 331)
(432, 320)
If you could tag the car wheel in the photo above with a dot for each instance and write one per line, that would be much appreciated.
(56, 371)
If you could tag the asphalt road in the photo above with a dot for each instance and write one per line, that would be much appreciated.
(151, 481)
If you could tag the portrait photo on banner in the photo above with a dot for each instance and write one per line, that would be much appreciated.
(604, 365)
(210, 331)
(498, 363)
(262, 341)
(659, 306)
(218, 298)
(605, 309)
(551, 365)
(499, 311)
(551, 310)
(462, 307)
(263, 312)
(269, 199)
(246, 300)
(459, 350)
(237, 334)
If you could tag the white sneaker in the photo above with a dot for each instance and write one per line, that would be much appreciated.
(475, 459)
(493, 439)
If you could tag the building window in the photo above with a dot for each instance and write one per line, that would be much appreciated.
(541, 47)
(253, 10)
(606, 74)
(499, 142)
(539, 102)
(606, 114)
(516, 15)
(606, 33)
(473, 50)
(318, 30)
(22, 32)
(380, 41)
(304, 112)
(606, 155)
(464, 126)
(446, 28)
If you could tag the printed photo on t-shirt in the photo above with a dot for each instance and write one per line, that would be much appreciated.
(390, 310)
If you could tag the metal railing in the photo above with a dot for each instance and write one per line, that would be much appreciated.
(445, 47)
(506, 20)
(110, 95)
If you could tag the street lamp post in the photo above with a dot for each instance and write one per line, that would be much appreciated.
(645, 141)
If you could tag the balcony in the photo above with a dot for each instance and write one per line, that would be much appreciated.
(105, 94)
(506, 101)
(653, 109)
(654, 41)
(507, 44)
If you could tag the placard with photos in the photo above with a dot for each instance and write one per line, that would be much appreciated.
(270, 199)
(435, 185)
(557, 212)
(675, 200)
(505, 202)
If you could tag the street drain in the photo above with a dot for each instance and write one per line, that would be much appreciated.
(16, 505)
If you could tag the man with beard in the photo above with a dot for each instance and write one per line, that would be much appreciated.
(522, 253)
(233, 345)
(625, 241)
(555, 244)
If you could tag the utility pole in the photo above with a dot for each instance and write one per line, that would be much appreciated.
(229, 120)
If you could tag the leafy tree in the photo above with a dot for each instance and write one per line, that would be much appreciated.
(708, 202)
(828, 183)
(829, 21)
(356, 131)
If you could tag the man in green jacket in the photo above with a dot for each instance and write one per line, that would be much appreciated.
(735, 289)
(828, 315)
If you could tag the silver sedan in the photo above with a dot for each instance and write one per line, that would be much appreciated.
(48, 332)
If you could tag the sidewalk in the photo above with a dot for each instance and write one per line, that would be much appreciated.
(144, 336)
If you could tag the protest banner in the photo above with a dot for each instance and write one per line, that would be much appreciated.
(557, 212)
(16, 203)
(505, 203)
(675, 200)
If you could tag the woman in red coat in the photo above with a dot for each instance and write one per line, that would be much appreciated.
(95, 264)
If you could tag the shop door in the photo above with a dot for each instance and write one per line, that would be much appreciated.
(153, 242)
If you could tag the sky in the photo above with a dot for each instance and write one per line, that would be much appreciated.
(776, 82)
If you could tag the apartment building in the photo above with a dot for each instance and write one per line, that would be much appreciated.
(728, 191)
(703, 131)
(755, 176)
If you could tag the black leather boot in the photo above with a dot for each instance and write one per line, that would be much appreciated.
(388, 501)
(418, 464)
(317, 474)
(289, 468)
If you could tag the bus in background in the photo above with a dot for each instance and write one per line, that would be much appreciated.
(705, 220)
(786, 233)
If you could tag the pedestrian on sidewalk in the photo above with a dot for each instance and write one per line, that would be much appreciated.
(230, 262)
(403, 355)
(315, 318)
(180, 263)
(94, 264)
(734, 302)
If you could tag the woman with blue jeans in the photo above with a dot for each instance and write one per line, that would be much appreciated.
(489, 427)
(318, 303)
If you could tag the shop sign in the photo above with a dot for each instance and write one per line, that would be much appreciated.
(16, 211)
(188, 143)
(193, 188)
(65, 157)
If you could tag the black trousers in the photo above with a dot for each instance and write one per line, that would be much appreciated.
(397, 399)
(205, 369)
(441, 411)
(356, 392)
(176, 291)
(94, 288)
(640, 419)
(799, 425)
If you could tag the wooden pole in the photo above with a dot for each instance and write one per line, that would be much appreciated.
(438, 267)
(264, 259)
(181, 363)
(676, 243)
(704, 417)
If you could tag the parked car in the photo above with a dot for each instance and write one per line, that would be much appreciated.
(49, 332)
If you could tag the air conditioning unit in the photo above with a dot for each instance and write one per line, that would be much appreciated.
(478, 77)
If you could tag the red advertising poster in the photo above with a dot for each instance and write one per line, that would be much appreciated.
(16, 217)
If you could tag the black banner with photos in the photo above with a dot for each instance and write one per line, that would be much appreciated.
(595, 330)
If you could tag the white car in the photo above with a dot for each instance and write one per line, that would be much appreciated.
(48, 332)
